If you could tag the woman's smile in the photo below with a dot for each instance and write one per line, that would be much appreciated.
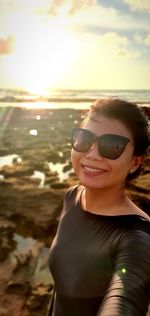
(92, 171)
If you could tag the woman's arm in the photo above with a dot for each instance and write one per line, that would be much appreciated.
(129, 290)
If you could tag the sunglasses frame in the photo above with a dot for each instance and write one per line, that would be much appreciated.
(96, 139)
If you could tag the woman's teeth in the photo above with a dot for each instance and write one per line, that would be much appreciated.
(93, 170)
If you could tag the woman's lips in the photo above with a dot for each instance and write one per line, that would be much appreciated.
(93, 171)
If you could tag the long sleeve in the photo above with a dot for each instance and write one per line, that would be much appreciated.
(129, 291)
(100, 264)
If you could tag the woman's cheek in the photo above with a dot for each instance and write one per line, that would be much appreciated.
(75, 158)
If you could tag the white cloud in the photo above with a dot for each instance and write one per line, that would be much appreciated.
(100, 17)
(56, 7)
(128, 54)
(118, 46)
(107, 64)
(83, 14)
(109, 48)
(138, 5)
(112, 38)
(143, 39)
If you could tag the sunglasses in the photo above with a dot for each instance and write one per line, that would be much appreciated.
(110, 146)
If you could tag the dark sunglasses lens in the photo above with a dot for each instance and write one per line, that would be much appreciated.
(82, 140)
(112, 146)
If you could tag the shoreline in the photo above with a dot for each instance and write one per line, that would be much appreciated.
(62, 100)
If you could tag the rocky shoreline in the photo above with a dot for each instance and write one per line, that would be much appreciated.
(30, 209)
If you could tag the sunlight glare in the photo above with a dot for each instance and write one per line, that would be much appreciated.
(43, 54)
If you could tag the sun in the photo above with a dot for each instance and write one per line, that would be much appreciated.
(43, 55)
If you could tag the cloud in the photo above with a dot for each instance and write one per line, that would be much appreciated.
(90, 14)
(118, 46)
(6, 45)
(109, 48)
(138, 5)
(114, 38)
(128, 54)
(143, 39)
(54, 7)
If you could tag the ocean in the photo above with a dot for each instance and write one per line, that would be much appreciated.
(69, 98)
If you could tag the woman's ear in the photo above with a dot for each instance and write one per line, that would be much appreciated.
(136, 163)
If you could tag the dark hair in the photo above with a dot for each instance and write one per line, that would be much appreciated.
(131, 115)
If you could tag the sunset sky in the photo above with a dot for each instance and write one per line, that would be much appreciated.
(78, 44)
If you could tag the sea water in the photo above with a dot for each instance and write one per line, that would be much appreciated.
(68, 98)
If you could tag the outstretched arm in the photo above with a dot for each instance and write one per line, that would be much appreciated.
(129, 290)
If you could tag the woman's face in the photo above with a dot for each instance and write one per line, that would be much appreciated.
(95, 171)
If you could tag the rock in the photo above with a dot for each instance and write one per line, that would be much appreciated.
(142, 183)
(39, 299)
(29, 180)
(23, 289)
(7, 229)
(50, 180)
(23, 297)
(16, 170)
(37, 207)
(59, 185)
(67, 167)
(4, 152)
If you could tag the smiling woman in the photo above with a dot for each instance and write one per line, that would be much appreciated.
(43, 53)
(101, 232)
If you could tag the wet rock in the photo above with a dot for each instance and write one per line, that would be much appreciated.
(142, 183)
(37, 207)
(7, 267)
(50, 180)
(67, 167)
(72, 179)
(23, 289)
(20, 181)
(55, 156)
(7, 229)
(4, 151)
(39, 299)
(29, 180)
(53, 175)
(59, 185)
(16, 170)
(19, 294)
(36, 158)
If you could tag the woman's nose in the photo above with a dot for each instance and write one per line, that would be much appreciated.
(93, 152)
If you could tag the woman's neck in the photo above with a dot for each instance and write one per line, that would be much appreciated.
(102, 201)
(110, 203)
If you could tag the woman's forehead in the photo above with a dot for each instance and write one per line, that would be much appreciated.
(101, 124)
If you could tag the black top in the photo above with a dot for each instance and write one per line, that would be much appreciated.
(100, 264)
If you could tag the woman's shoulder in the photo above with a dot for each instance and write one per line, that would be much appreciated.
(73, 195)
(135, 232)
(74, 191)
(142, 214)
(134, 224)
(134, 238)
(133, 209)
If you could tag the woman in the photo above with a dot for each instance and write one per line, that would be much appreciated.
(100, 257)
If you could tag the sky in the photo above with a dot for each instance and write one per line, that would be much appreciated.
(74, 44)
